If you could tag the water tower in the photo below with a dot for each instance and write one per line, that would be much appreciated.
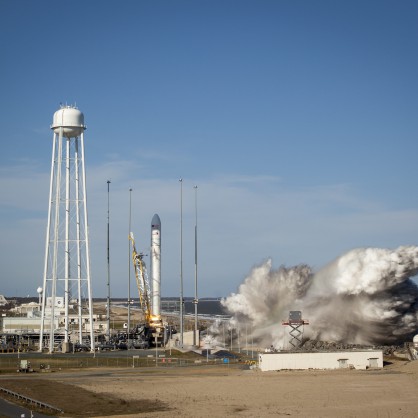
(66, 299)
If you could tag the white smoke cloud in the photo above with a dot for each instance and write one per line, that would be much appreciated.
(365, 296)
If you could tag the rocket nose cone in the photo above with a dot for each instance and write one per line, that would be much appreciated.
(156, 222)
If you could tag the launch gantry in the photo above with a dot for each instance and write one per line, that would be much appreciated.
(153, 328)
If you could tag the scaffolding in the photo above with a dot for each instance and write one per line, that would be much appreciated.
(296, 327)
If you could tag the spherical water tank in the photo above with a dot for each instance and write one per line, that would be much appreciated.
(70, 119)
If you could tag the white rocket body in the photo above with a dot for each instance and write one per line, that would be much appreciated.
(156, 265)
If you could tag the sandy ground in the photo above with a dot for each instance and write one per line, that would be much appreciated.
(222, 391)
(228, 391)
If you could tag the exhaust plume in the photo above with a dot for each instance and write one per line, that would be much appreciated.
(365, 296)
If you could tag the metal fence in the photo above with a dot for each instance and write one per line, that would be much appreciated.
(47, 364)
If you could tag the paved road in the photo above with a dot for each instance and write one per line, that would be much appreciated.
(14, 411)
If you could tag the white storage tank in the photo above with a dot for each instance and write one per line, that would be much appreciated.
(415, 341)
(70, 119)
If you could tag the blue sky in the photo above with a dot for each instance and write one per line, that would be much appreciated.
(297, 120)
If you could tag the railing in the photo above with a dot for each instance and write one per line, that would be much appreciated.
(30, 400)
(51, 363)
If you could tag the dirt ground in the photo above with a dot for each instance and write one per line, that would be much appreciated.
(222, 391)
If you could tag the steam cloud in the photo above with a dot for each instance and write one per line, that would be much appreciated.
(365, 296)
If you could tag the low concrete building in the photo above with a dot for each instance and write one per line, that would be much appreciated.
(32, 323)
(187, 339)
(22, 324)
(324, 360)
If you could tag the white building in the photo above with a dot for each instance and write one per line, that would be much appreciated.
(356, 359)
(32, 324)
(29, 320)
(22, 324)
(30, 309)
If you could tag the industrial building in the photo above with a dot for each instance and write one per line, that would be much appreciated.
(20, 328)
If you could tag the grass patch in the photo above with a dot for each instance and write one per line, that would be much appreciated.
(79, 402)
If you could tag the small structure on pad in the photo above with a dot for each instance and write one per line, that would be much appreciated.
(24, 367)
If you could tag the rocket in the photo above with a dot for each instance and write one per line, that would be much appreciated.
(156, 265)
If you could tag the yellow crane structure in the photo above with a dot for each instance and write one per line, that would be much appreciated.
(153, 328)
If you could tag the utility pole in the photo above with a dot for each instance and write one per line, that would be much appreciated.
(181, 264)
(129, 267)
(108, 261)
(196, 300)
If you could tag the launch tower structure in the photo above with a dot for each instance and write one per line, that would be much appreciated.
(153, 330)
(66, 280)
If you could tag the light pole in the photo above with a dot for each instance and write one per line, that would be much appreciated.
(129, 266)
(108, 262)
(170, 340)
(196, 301)
(181, 262)
(252, 342)
(246, 339)
(239, 339)
(156, 350)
